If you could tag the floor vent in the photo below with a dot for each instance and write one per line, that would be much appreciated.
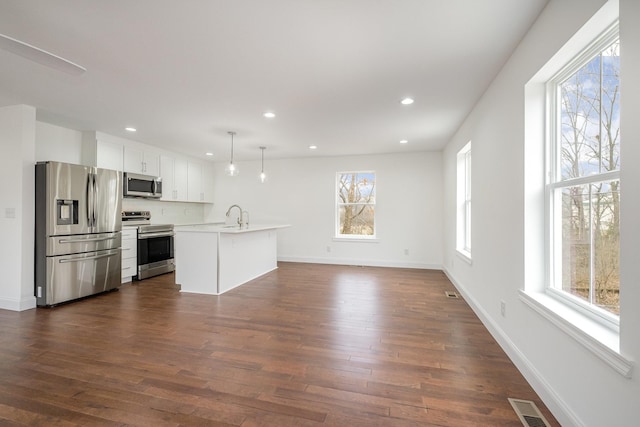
(528, 413)
(450, 294)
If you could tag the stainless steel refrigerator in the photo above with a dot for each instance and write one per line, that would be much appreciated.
(77, 230)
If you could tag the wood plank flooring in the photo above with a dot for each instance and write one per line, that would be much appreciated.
(305, 345)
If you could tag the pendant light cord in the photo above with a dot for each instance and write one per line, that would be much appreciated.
(231, 133)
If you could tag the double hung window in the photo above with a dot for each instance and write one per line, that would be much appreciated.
(583, 180)
(355, 204)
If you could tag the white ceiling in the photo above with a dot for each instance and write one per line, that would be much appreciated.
(186, 72)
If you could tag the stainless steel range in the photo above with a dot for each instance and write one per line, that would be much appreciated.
(155, 244)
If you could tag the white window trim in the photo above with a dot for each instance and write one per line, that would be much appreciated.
(601, 341)
(354, 237)
(463, 202)
(554, 182)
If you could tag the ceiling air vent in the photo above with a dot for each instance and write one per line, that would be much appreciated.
(528, 413)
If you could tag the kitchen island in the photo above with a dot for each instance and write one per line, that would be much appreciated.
(214, 258)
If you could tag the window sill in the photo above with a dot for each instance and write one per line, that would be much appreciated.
(356, 239)
(464, 255)
(601, 341)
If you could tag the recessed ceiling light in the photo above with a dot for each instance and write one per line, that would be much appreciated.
(403, 141)
(208, 154)
(130, 129)
(269, 114)
(313, 147)
(407, 101)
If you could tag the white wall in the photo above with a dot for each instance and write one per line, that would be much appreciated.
(17, 180)
(577, 386)
(630, 173)
(301, 192)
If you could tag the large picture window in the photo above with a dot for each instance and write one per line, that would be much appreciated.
(356, 204)
(583, 189)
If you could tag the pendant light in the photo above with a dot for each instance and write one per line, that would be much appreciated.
(231, 169)
(263, 176)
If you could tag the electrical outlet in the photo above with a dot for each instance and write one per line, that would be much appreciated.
(328, 248)
(503, 308)
(406, 251)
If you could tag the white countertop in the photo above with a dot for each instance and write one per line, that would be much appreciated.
(227, 229)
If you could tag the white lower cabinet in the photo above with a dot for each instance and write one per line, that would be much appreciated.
(129, 253)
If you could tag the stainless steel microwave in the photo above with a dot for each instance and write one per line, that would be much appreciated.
(145, 186)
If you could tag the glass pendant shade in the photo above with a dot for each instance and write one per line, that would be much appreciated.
(231, 169)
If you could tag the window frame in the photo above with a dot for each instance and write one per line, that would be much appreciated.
(463, 201)
(338, 204)
(554, 184)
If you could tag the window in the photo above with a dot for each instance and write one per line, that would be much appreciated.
(463, 197)
(356, 204)
(583, 189)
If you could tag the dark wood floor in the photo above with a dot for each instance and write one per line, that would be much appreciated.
(306, 345)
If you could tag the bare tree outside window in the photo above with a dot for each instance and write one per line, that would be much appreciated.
(356, 198)
(589, 184)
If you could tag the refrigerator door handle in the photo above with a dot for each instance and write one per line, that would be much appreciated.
(95, 199)
(90, 201)
(81, 259)
(97, 239)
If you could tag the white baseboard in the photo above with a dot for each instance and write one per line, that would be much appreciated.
(26, 303)
(360, 262)
(554, 402)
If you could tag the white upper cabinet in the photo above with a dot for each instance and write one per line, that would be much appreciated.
(184, 179)
(200, 180)
(180, 176)
(109, 155)
(166, 172)
(174, 173)
(194, 172)
(141, 160)
(102, 150)
(207, 183)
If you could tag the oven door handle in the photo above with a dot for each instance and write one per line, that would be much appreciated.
(153, 235)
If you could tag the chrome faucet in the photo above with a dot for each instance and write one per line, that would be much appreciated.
(245, 216)
(240, 218)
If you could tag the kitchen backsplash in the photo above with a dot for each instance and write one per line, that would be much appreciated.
(167, 212)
